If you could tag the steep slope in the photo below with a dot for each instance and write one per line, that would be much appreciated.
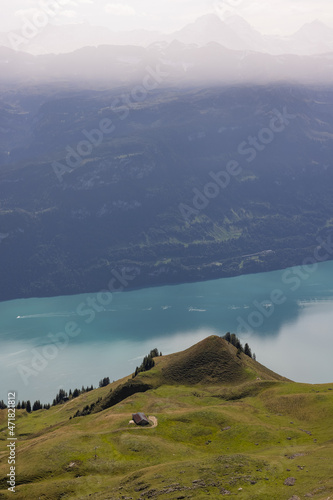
(212, 361)
(138, 201)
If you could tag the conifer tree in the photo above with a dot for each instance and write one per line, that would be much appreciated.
(227, 337)
(104, 382)
(233, 339)
(37, 406)
(239, 345)
(247, 350)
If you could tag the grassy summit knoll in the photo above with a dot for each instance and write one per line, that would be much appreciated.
(226, 426)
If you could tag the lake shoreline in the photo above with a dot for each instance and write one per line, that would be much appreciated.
(128, 287)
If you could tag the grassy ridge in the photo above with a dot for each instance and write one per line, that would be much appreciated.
(211, 438)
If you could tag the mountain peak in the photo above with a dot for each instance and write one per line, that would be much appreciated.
(208, 18)
(211, 361)
(317, 23)
(235, 19)
(206, 22)
(315, 26)
(209, 28)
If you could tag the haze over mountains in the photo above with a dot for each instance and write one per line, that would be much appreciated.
(233, 33)
(180, 108)
(169, 65)
(208, 51)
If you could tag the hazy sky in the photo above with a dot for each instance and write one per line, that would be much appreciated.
(268, 16)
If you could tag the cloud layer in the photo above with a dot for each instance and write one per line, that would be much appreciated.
(273, 16)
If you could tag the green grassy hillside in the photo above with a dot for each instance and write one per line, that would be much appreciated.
(212, 360)
(235, 427)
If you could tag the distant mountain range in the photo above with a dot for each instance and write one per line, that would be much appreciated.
(232, 33)
(164, 65)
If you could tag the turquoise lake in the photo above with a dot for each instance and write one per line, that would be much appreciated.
(66, 342)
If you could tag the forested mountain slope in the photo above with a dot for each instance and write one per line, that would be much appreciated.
(175, 185)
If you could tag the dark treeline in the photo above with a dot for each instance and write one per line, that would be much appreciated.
(148, 362)
(234, 340)
(61, 398)
(87, 409)
(104, 382)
